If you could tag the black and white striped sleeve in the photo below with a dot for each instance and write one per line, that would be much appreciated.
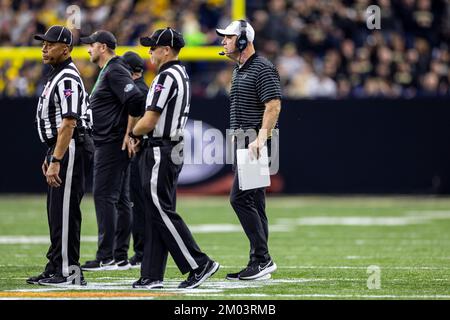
(268, 85)
(70, 97)
(160, 93)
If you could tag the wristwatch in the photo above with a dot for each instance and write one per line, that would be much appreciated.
(53, 159)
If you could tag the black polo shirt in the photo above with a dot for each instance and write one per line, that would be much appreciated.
(114, 97)
(253, 84)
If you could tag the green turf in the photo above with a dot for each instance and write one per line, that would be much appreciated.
(315, 261)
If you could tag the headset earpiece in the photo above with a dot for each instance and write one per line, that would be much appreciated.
(242, 41)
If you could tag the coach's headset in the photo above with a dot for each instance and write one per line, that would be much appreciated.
(241, 40)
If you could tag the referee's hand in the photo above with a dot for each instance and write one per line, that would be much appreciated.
(134, 145)
(52, 175)
(44, 167)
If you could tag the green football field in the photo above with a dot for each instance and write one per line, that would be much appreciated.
(325, 248)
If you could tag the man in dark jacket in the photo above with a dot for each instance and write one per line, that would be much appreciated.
(116, 104)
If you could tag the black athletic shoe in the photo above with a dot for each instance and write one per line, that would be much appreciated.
(257, 270)
(95, 265)
(235, 276)
(199, 275)
(135, 262)
(123, 265)
(36, 279)
(147, 283)
(59, 280)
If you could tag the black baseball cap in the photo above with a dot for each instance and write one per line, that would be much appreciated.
(101, 36)
(133, 60)
(164, 37)
(56, 34)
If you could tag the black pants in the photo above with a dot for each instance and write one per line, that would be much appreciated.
(165, 230)
(112, 201)
(63, 209)
(138, 207)
(250, 207)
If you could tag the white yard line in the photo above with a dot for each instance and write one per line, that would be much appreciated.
(352, 267)
(205, 228)
(412, 268)
(213, 288)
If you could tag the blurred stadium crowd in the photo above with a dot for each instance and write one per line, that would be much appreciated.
(322, 48)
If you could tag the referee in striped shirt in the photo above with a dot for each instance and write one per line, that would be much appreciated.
(167, 109)
(61, 119)
(255, 105)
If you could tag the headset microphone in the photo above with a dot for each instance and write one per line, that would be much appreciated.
(223, 53)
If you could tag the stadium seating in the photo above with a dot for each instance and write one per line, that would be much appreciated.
(322, 49)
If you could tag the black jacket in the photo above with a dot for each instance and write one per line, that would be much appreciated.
(114, 97)
(140, 83)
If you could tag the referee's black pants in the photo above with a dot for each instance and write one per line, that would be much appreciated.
(165, 230)
(138, 207)
(112, 201)
(63, 209)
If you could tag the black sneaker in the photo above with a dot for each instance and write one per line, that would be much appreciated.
(147, 283)
(95, 265)
(257, 270)
(36, 279)
(135, 262)
(122, 265)
(59, 280)
(199, 275)
(235, 276)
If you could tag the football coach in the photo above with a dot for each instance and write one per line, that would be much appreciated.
(255, 105)
(116, 103)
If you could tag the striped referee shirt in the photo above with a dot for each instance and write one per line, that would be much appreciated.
(170, 95)
(63, 96)
(253, 84)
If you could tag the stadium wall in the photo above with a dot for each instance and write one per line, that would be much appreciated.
(327, 146)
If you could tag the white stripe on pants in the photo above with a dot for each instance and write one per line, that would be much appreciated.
(66, 210)
(164, 216)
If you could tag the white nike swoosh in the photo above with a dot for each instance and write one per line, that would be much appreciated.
(200, 275)
(261, 269)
